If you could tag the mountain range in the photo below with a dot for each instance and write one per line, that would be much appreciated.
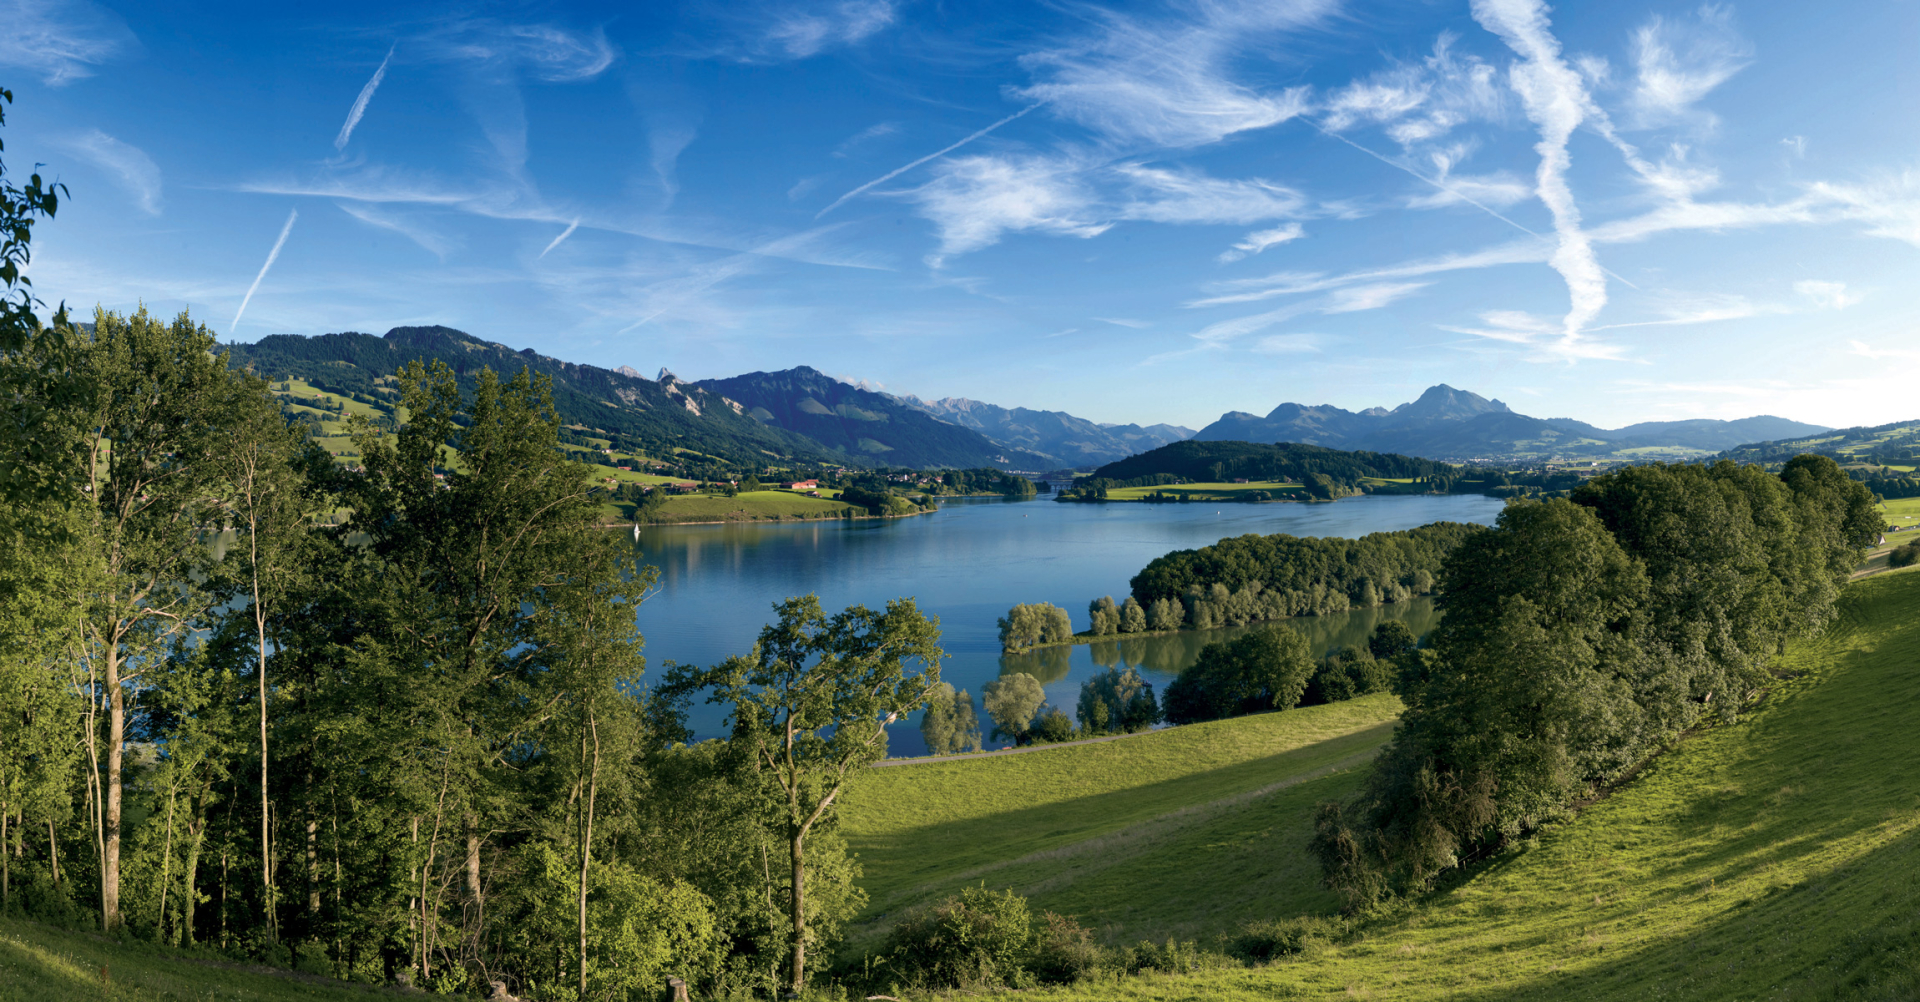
(1071, 441)
(1450, 424)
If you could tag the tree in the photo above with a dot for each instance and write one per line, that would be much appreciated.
(1263, 670)
(1103, 616)
(1133, 618)
(1117, 701)
(1012, 700)
(1027, 626)
(1391, 639)
(1054, 727)
(155, 486)
(1165, 614)
(811, 704)
(949, 724)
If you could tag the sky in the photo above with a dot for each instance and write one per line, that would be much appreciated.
(1149, 212)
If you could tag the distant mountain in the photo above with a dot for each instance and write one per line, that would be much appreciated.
(1070, 442)
(638, 413)
(863, 425)
(1898, 442)
(1446, 423)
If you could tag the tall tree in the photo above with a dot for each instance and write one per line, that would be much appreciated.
(811, 704)
(156, 493)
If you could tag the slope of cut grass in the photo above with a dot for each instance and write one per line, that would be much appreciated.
(40, 964)
(753, 506)
(1776, 858)
(1118, 832)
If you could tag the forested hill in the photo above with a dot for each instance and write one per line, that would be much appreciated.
(1879, 445)
(874, 427)
(1219, 461)
(638, 414)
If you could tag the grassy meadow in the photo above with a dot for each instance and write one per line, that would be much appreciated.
(750, 506)
(1205, 492)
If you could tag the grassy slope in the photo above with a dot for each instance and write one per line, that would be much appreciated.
(44, 965)
(751, 506)
(1152, 836)
(1202, 492)
(1773, 859)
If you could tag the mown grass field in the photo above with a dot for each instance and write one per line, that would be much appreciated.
(1163, 834)
(38, 964)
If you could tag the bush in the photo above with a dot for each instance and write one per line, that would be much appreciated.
(976, 937)
(1054, 727)
(1264, 670)
(1267, 941)
(1063, 950)
(1904, 556)
(1133, 618)
(1345, 674)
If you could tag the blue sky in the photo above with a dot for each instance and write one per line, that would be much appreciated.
(1143, 212)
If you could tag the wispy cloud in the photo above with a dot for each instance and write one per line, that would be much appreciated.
(1123, 322)
(1556, 102)
(1826, 295)
(542, 51)
(272, 255)
(975, 199)
(896, 172)
(1348, 300)
(665, 143)
(1293, 283)
(1291, 344)
(1865, 350)
(125, 163)
(864, 136)
(1168, 82)
(1260, 240)
(1168, 196)
(60, 40)
(1544, 338)
(1355, 298)
(1678, 62)
(360, 103)
(373, 215)
(564, 234)
(1419, 102)
(800, 30)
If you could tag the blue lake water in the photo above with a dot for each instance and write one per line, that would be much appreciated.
(970, 561)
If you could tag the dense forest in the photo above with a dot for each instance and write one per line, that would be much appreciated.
(1653, 598)
(1286, 461)
(1254, 577)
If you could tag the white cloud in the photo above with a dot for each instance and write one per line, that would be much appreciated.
(871, 132)
(937, 154)
(1348, 300)
(1543, 338)
(542, 51)
(1291, 283)
(360, 103)
(61, 40)
(272, 256)
(1165, 196)
(1124, 322)
(1355, 298)
(127, 164)
(973, 200)
(1168, 83)
(1260, 240)
(1678, 62)
(1826, 295)
(801, 30)
(1498, 188)
(1556, 102)
(1890, 205)
(665, 143)
(1419, 102)
(1864, 350)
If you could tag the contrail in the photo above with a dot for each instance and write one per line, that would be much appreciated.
(1462, 196)
(563, 235)
(360, 104)
(274, 253)
(930, 156)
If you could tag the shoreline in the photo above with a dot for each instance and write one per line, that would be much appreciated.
(762, 520)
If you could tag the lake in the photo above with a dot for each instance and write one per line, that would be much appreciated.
(976, 557)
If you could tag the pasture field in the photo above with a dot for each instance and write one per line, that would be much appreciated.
(751, 506)
(1161, 834)
(1205, 492)
(1776, 858)
(40, 964)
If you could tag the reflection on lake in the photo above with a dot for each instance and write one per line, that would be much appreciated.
(1061, 670)
(969, 562)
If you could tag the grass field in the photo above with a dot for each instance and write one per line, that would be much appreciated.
(1114, 832)
(1205, 492)
(38, 964)
(1775, 859)
(753, 506)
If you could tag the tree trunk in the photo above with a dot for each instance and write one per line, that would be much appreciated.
(586, 849)
(197, 832)
(6, 857)
(53, 852)
(260, 674)
(799, 904)
(313, 872)
(166, 870)
(116, 739)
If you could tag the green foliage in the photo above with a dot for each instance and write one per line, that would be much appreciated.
(1263, 670)
(1288, 462)
(1249, 578)
(977, 937)
(1133, 617)
(1163, 614)
(1054, 727)
(1012, 700)
(1904, 556)
(1027, 626)
(950, 725)
(1348, 673)
(1103, 617)
(1391, 640)
(1117, 702)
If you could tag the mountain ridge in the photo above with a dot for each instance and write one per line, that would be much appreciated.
(1452, 424)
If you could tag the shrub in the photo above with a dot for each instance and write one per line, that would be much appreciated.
(1119, 701)
(1027, 626)
(1054, 727)
(1266, 941)
(1904, 556)
(1104, 616)
(976, 937)
(1264, 670)
(1063, 950)
(1133, 618)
